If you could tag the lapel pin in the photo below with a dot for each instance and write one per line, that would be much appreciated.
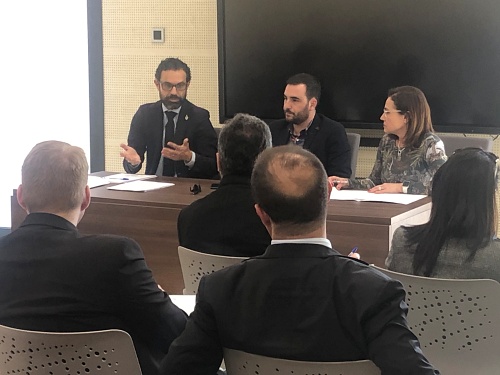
(186, 118)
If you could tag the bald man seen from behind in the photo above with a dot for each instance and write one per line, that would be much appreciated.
(301, 299)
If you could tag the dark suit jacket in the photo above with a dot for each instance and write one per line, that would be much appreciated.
(146, 135)
(224, 222)
(54, 279)
(300, 302)
(325, 138)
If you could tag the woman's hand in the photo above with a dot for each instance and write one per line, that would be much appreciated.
(387, 188)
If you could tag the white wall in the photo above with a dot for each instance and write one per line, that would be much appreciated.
(43, 82)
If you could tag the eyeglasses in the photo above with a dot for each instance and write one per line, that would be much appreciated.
(386, 112)
(167, 86)
(195, 189)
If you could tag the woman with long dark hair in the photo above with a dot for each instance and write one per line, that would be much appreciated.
(459, 240)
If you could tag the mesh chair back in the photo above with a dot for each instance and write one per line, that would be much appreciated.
(96, 352)
(241, 363)
(457, 321)
(195, 265)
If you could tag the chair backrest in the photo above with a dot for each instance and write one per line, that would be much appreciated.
(217, 130)
(242, 363)
(457, 321)
(454, 142)
(354, 139)
(194, 265)
(97, 352)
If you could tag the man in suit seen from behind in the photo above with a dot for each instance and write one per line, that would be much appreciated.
(301, 299)
(55, 279)
(224, 222)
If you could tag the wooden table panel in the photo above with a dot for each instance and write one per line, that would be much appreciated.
(154, 228)
(150, 218)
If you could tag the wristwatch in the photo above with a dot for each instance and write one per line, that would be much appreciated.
(406, 185)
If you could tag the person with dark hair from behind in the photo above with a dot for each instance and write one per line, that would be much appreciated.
(304, 127)
(301, 299)
(224, 222)
(176, 136)
(409, 153)
(55, 279)
(459, 240)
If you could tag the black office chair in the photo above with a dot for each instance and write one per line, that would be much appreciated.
(455, 142)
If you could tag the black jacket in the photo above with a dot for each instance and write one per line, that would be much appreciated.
(224, 222)
(325, 138)
(146, 135)
(301, 302)
(54, 279)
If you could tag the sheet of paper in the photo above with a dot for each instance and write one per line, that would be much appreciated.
(184, 302)
(363, 195)
(141, 186)
(125, 177)
(95, 181)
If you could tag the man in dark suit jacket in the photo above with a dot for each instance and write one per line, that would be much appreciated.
(225, 222)
(55, 279)
(177, 136)
(304, 127)
(301, 299)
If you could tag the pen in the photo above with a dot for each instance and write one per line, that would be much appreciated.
(124, 179)
(354, 254)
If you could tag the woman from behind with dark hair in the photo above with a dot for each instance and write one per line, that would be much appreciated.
(458, 241)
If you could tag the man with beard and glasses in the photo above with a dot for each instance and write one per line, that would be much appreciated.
(177, 136)
(303, 127)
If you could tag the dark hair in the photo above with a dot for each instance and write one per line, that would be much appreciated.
(313, 87)
(241, 140)
(290, 185)
(173, 63)
(413, 104)
(463, 207)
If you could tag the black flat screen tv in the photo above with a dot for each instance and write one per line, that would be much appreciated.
(358, 49)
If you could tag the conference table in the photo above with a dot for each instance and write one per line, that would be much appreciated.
(150, 218)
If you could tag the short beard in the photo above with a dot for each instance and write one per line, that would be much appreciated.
(300, 117)
(172, 105)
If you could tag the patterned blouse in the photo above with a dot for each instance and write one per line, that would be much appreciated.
(416, 165)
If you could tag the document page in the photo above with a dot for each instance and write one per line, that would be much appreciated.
(124, 177)
(141, 186)
(95, 181)
(364, 195)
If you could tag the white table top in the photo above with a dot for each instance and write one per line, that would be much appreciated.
(185, 302)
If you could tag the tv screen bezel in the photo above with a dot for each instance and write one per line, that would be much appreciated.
(223, 117)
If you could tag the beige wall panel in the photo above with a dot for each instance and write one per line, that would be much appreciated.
(131, 58)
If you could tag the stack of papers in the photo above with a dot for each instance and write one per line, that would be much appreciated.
(140, 186)
(363, 195)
